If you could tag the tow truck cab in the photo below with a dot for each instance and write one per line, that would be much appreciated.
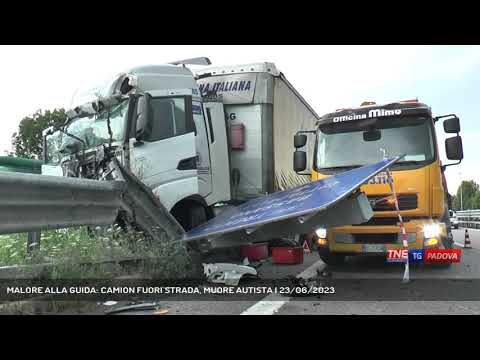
(349, 138)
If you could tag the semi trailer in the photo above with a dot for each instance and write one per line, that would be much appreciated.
(263, 110)
(349, 138)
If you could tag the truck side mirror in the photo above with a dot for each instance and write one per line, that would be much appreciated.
(299, 140)
(452, 125)
(299, 160)
(454, 148)
(143, 114)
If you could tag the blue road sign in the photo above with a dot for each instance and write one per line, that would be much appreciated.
(306, 199)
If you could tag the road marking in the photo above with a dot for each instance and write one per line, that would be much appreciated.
(269, 306)
(469, 229)
(458, 244)
(265, 307)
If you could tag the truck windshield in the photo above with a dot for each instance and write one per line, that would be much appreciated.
(94, 129)
(341, 146)
(53, 146)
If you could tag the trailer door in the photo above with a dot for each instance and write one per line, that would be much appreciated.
(203, 152)
(219, 152)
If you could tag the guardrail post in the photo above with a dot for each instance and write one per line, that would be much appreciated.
(33, 241)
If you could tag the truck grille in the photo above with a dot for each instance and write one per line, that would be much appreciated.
(375, 238)
(385, 238)
(385, 202)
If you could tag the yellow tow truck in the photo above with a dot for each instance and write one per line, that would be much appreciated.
(349, 138)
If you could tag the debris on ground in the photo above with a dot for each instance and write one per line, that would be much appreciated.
(110, 303)
(324, 273)
(160, 312)
(135, 306)
(228, 274)
(305, 286)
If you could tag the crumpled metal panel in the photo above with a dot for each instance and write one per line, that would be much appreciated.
(144, 208)
(228, 274)
(327, 202)
(30, 202)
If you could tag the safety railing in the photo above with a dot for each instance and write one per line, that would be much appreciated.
(31, 202)
(469, 218)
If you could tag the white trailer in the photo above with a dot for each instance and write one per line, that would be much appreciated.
(263, 112)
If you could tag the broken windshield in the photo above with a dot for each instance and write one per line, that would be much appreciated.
(93, 130)
(53, 146)
(348, 147)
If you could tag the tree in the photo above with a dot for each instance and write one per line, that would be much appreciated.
(27, 142)
(469, 192)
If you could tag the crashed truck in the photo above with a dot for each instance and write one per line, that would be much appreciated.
(217, 138)
(199, 158)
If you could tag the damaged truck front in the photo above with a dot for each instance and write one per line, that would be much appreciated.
(148, 119)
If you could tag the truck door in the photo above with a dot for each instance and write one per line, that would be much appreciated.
(165, 158)
(203, 151)
(219, 152)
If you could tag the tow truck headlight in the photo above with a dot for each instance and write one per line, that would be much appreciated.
(322, 236)
(431, 230)
(321, 233)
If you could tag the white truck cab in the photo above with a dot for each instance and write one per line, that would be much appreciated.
(153, 120)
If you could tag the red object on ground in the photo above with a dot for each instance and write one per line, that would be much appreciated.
(287, 255)
(254, 252)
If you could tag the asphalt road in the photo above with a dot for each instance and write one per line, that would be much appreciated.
(363, 285)
(416, 298)
(460, 277)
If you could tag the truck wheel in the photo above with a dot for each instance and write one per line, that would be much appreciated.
(331, 258)
(189, 214)
(198, 216)
(447, 241)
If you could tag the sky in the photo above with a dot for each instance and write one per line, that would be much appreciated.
(328, 77)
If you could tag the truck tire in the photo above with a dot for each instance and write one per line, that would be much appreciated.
(190, 217)
(448, 240)
(189, 214)
(198, 216)
(333, 259)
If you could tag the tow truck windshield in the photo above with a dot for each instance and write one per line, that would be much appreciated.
(344, 146)
(92, 129)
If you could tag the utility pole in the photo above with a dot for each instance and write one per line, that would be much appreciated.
(461, 191)
(461, 197)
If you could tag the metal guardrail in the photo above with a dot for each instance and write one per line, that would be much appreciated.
(30, 202)
(469, 218)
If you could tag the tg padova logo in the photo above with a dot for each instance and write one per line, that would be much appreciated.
(427, 256)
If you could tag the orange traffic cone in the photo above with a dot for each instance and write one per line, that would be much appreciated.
(468, 244)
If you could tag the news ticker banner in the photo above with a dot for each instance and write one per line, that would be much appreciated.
(427, 256)
(331, 289)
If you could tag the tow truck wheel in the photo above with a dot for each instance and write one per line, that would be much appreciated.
(331, 258)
